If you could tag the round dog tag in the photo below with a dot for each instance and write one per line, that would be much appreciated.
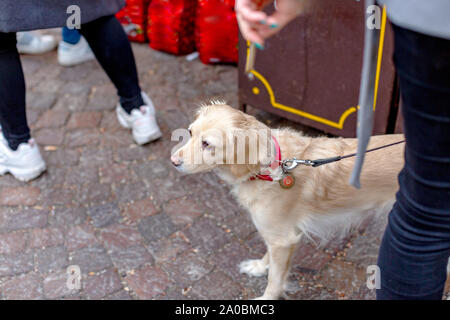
(287, 181)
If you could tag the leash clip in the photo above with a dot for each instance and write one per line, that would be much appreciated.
(291, 164)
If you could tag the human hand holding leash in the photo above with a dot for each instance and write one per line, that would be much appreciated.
(256, 25)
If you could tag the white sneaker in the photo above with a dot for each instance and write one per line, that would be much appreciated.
(25, 163)
(72, 54)
(33, 43)
(142, 121)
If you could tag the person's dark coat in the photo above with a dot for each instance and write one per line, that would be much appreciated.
(23, 15)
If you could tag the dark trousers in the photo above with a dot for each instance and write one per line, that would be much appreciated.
(112, 49)
(416, 245)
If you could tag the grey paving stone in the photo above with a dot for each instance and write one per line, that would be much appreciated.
(16, 263)
(51, 259)
(187, 269)
(91, 259)
(104, 215)
(26, 218)
(101, 285)
(26, 287)
(127, 259)
(61, 216)
(156, 227)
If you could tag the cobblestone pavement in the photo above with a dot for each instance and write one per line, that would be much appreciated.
(136, 228)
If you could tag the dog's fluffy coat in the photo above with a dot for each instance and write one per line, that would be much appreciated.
(320, 204)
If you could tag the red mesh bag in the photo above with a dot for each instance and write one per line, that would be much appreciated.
(216, 31)
(171, 25)
(133, 18)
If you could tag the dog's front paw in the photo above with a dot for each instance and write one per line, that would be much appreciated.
(254, 267)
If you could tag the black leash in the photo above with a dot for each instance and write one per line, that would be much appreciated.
(318, 162)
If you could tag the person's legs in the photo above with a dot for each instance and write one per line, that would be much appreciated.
(19, 155)
(416, 245)
(12, 93)
(112, 48)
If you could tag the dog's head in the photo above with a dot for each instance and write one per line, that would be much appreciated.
(226, 138)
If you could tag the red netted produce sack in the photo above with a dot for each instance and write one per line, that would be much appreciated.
(216, 31)
(171, 25)
(133, 18)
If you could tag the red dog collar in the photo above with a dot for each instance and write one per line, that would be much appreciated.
(275, 164)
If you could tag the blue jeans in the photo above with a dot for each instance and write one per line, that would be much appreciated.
(71, 36)
(416, 245)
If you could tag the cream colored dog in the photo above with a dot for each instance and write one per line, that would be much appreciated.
(319, 205)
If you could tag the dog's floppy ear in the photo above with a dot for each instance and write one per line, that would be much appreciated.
(254, 136)
(250, 152)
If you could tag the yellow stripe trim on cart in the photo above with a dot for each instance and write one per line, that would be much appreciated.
(338, 125)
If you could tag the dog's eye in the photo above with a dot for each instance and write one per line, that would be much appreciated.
(205, 144)
(190, 132)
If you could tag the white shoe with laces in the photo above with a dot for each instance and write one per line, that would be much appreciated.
(29, 42)
(72, 54)
(142, 121)
(25, 163)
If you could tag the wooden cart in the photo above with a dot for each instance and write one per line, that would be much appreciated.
(310, 72)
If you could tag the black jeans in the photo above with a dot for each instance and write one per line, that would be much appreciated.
(112, 49)
(416, 245)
